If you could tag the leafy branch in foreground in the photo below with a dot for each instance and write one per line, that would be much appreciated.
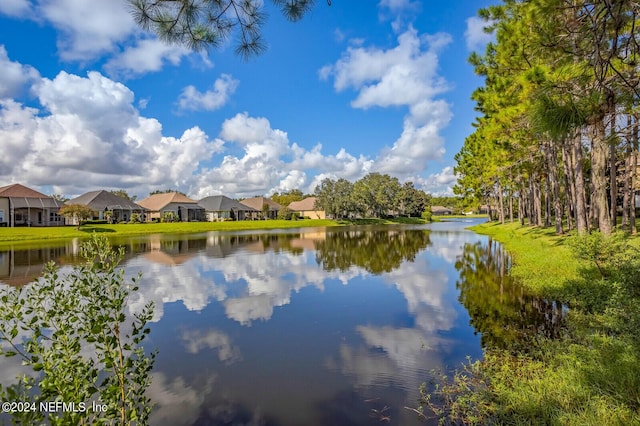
(201, 24)
(81, 348)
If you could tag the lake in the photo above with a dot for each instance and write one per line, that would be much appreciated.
(311, 326)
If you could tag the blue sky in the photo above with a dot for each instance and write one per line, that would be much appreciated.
(89, 101)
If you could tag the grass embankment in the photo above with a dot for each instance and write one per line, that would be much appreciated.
(126, 229)
(35, 234)
(589, 376)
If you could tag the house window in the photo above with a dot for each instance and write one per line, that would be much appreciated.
(1, 215)
(54, 217)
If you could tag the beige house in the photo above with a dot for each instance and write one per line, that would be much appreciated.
(256, 203)
(183, 207)
(307, 208)
(22, 206)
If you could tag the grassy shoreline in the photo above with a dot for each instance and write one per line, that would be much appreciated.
(542, 262)
(588, 376)
(13, 236)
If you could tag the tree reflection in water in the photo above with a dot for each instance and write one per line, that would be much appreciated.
(374, 251)
(500, 309)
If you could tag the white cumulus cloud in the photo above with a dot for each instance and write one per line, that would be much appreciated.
(441, 183)
(87, 28)
(270, 162)
(218, 96)
(92, 29)
(475, 35)
(400, 11)
(88, 135)
(14, 76)
(405, 75)
(17, 8)
(146, 55)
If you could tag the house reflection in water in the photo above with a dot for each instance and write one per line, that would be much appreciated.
(170, 251)
(22, 266)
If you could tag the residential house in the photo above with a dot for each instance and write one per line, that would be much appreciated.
(22, 206)
(257, 204)
(441, 211)
(183, 207)
(307, 208)
(220, 207)
(103, 201)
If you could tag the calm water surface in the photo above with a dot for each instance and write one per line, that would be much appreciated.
(309, 327)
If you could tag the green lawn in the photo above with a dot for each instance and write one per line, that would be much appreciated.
(31, 235)
(65, 232)
(542, 262)
(590, 375)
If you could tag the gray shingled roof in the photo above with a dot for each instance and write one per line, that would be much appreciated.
(221, 203)
(101, 200)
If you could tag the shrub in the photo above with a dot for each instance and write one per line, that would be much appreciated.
(285, 213)
(169, 217)
(74, 335)
(426, 214)
(611, 255)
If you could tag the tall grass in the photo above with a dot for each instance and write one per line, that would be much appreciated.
(591, 374)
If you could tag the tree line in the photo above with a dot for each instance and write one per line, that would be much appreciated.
(375, 195)
(557, 138)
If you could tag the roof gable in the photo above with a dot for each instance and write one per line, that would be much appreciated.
(219, 203)
(308, 204)
(156, 202)
(18, 190)
(258, 202)
(101, 200)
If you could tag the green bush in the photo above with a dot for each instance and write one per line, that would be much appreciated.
(611, 255)
(285, 214)
(169, 217)
(81, 347)
(426, 214)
